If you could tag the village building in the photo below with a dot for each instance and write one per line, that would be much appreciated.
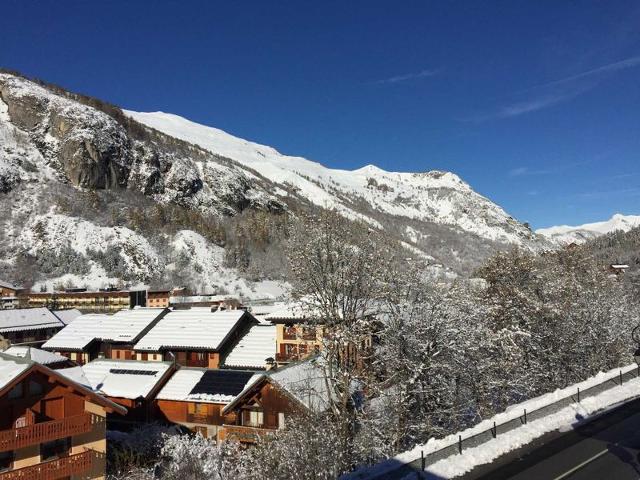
(266, 403)
(255, 350)
(195, 397)
(50, 426)
(196, 337)
(618, 268)
(128, 383)
(158, 298)
(296, 339)
(106, 300)
(110, 336)
(32, 326)
(48, 359)
(179, 299)
(9, 296)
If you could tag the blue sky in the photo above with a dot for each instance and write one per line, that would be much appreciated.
(535, 104)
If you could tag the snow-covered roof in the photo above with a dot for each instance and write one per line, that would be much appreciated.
(124, 378)
(37, 355)
(4, 284)
(291, 311)
(77, 375)
(67, 316)
(206, 386)
(21, 319)
(254, 348)
(193, 328)
(10, 368)
(123, 326)
(619, 266)
(304, 381)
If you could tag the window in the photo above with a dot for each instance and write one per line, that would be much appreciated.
(35, 388)
(56, 449)
(16, 392)
(6, 461)
(256, 419)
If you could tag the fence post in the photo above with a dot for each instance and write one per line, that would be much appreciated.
(578, 394)
(525, 416)
(423, 461)
(460, 444)
(494, 431)
(620, 377)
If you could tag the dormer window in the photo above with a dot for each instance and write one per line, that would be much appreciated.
(16, 392)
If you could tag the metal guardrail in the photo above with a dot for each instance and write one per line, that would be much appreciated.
(527, 416)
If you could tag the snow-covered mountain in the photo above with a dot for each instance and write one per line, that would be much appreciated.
(433, 196)
(565, 234)
(81, 183)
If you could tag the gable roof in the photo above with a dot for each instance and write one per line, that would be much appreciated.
(37, 355)
(67, 316)
(206, 386)
(13, 369)
(253, 349)
(124, 326)
(125, 378)
(23, 319)
(302, 381)
(194, 328)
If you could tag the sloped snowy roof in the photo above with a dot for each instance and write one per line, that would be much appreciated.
(292, 311)
(77, 375)
(254, 348)
(67, 316)
(28, 319)
(303, 381)
(10, 368)
(206, 386)
(4, 284)
(39, 356)
(123, 326)
(124, 378)
(193, 328)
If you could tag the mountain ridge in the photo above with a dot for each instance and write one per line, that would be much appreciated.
(99, 194)
(566, 234)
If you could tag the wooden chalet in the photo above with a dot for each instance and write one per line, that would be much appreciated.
(9, 295)
(196, 337)
(93, 336)
(295, 338)
(50, 427)
(32, 326)
(268, 400)
(195, 397)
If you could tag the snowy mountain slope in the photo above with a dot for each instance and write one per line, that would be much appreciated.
(96, 195)
(565, 234)
(439, 197)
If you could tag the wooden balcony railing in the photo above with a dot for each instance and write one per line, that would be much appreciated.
(53, 469)
(44, 432)
(242, 433)
(286, 357)
(201, 418)
(289, 335)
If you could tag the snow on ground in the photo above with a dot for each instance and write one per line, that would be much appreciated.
(436, 196)
(565, 234)
(472, 457)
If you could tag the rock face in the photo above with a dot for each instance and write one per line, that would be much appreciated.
(93, 150)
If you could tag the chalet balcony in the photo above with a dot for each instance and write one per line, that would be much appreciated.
(54, 469)
(242, 434)
(289, 335)
(200, 418)
(286, 357)
(44, 432)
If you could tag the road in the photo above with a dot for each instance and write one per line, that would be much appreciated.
(605, 448)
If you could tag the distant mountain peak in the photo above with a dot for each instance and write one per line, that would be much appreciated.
(565, 234)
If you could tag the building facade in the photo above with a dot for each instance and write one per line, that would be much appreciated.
(50, 426)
